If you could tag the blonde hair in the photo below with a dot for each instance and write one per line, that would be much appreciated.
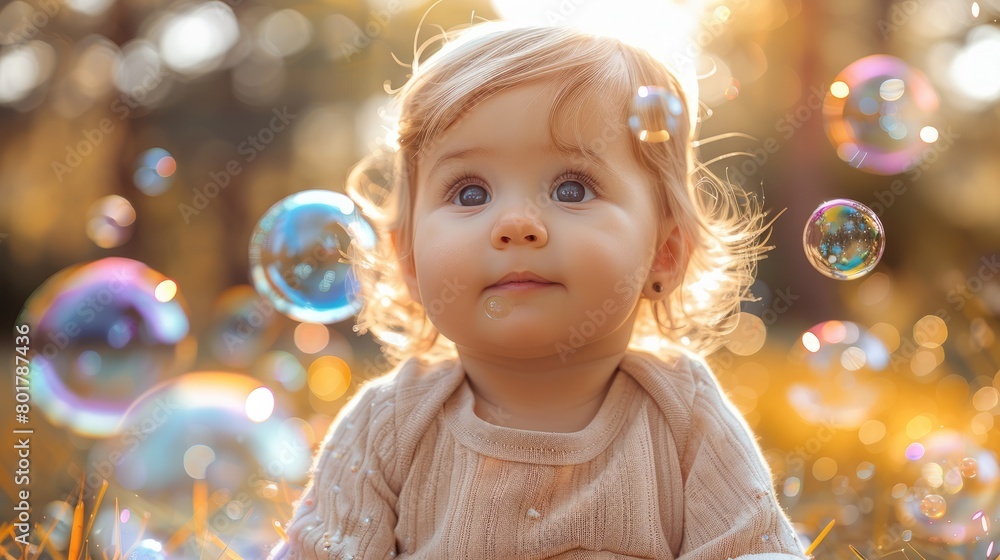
(721, 226)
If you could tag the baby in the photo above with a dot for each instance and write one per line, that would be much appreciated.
(547, 267)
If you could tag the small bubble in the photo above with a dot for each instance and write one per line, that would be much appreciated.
(907, 535)
(933, 506)
(765, 538)
(969, 467)
(655, 114)
(843, 239)
(498, 307)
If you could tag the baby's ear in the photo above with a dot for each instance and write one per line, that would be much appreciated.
(671, 259)
(406, 267)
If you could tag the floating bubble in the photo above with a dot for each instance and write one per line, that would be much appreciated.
(843, 239)
(197, 427)
(933, 506)
(656, 114)
(875, 112)
(102, 339)
(498, 307)
(839, 384)
(154, 171)
(940, 500)
(243, 326)
(968, 467)
(110, 221)
(296, 255)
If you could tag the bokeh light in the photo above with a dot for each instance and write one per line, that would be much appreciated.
(839, 384)
(329, 377)
(297, 256)
(875, 127)
(154, 171)
(941, 502)
(110, 221)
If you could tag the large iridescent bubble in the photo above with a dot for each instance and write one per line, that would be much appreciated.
(223, 432)
(104, 333)
(839, 384)
(879, 115)
(297, 256)
(942, 503)
(843, 239)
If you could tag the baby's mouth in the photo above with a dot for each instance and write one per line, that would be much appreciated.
(522, 280)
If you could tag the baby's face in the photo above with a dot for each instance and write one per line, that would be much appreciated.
(492, 198)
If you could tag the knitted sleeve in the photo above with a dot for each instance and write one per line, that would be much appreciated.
(730, 508)
(348, 508)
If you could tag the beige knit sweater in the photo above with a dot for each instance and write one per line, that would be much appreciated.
(667, 469)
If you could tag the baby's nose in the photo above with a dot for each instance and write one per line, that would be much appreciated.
(518, 229)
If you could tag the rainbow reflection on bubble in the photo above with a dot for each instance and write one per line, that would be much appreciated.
(296, 255)
(154, 171)
(942, 505)
(876, 111)
(838, 385)
(223, 430)
(843, 239)
(102, 338)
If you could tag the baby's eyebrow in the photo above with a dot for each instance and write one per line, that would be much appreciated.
(582, 152)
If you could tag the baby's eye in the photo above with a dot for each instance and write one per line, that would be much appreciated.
(571, 191)
(472, 195)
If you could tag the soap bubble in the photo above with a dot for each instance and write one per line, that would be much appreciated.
(933, 506)
(968, 467)
(656, 114)
(102, 338)
(843, 239)
(875, 112)
(497, 307)
(839, 384)
(243, 326)
(154, 171)
(201, 428)
(110, 221)
(943, 505)
(296, 255)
